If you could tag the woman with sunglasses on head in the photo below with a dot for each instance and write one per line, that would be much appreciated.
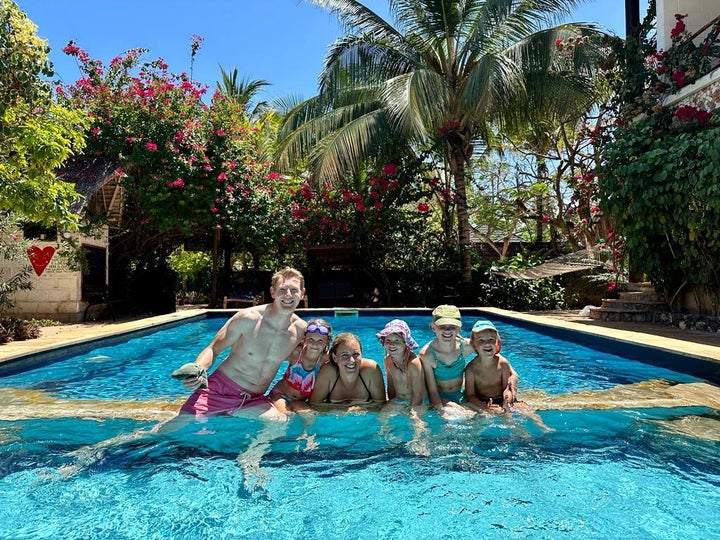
(348, 378)
(297, 383)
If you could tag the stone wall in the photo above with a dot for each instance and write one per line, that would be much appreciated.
(57, 292)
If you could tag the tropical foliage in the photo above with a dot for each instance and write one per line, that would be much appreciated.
(658, 178)
(387, 217)
(36, 135)
(187, 167)
(444, 76)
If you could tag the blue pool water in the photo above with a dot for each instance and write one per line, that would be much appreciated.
(623, 471)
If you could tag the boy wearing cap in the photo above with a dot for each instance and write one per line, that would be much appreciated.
(490, 380)
(443, 359)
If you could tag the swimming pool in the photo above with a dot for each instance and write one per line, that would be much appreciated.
(632, 453)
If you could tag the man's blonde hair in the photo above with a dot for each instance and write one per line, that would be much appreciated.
(287, 273)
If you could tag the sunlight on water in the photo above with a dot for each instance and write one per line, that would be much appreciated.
(88, 466)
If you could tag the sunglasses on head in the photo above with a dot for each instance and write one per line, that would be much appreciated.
(317, 327)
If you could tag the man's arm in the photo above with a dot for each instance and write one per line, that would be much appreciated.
(230, 333)
(225, 337)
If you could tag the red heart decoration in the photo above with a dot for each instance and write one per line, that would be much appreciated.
(40, 258)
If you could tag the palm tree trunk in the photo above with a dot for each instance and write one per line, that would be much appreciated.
(457, 160)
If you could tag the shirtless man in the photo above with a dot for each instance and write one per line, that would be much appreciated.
(260, 339)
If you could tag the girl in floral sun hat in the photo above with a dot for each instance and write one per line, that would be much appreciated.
(405, 377)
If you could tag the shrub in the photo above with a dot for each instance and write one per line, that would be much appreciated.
(12, 329)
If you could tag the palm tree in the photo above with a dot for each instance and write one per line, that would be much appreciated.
(449, 72)
(242, 91)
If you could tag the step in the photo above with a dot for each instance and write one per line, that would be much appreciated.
(601, 314)
(640, 296)
(640, 286)
(619, 304)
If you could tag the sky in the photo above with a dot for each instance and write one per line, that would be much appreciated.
(281, 41)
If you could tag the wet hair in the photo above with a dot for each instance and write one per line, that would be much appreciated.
(287, 273)
(341, 339)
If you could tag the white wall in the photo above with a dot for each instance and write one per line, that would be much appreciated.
(699, 13)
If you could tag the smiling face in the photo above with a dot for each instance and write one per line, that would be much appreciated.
(484, 343)
(348, 356)
(287, 293)
(315, 345)
(446, 332)
(394, 345)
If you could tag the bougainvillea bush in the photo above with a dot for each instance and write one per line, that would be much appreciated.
(660, 164)
(188, 168)
(387, 216)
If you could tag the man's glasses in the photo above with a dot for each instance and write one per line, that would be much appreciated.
(319, 328)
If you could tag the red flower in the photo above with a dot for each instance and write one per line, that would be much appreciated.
(702, 117)
(679, 26)
(389, 169)
(679, 77)
(151, 146)
(423, 208)
(545, 219)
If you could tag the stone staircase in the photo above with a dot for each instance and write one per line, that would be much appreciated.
(640, 303)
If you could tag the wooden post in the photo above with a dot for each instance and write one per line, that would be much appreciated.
(213, 300)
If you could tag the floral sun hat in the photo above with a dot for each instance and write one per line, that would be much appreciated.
(397, 326)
